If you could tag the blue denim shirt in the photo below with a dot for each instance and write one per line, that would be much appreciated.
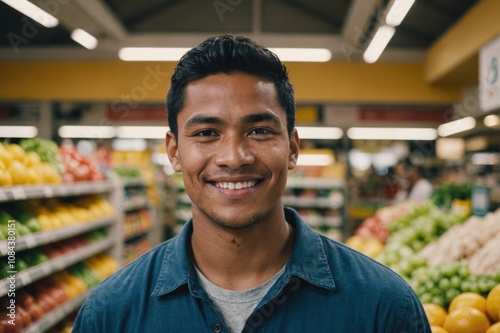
(326, 287)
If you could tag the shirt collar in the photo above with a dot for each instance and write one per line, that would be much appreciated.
(308, 262)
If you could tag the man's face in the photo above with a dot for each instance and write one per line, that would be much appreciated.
(233, 149)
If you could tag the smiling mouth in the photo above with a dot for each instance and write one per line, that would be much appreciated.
(235, 185)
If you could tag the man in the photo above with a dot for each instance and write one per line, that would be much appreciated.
(244, 263)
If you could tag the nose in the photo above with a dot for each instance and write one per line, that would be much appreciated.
(234, 152)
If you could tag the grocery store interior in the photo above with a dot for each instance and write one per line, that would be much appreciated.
(389, 94)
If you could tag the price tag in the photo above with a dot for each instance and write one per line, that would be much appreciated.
(25, 278)
(480, 200)
(18, 193)
(30, 241)
(48, 192)
(3, 289)
(3, 196)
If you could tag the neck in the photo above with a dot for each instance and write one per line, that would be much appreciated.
(243, 258)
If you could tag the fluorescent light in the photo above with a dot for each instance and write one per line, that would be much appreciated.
(93, 132)
(492, 120)
(130, 144)
(388, 133)
(314, 159)
(456, 126)
(18, 131)
(142, 132)
(302, 54)
(485, 159)
(83, 38)
(378, 43)
(450, 148)
(152, 53)
(175, 53)
(398, 11)
(33, 12)
(333, 133)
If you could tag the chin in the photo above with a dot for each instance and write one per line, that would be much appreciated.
(236, 221)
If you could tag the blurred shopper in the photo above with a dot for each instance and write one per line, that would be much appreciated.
(244, 263)
(413, 186)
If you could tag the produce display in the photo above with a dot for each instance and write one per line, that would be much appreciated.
(33, 302)
(38, 161)
(137, 222)
(77, 166)
(38, 215)
(468, 312)
(20, 167)
(442, 253)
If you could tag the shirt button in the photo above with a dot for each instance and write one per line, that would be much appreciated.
(217, 328)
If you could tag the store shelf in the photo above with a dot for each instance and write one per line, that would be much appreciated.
(320, 221)
(135, 181)
(317, 183)
(313, 202)
(11, 193)
(135, 203)
(137, 234)
(37, 272)
(41, 238)
(52, 318)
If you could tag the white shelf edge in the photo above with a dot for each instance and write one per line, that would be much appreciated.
(136, 203)
(23, 192)
(52, 318)
(311, 182)
(30, 241)
(35, 273)
(312, 202)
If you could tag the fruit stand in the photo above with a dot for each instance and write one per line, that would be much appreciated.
(449, 257)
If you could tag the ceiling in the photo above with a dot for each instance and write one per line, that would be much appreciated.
(343, 26)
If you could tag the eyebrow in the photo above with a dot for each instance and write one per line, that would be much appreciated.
(249, 119)
(263, 116)
(201, 119)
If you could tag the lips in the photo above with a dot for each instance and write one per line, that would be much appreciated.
(236, 185)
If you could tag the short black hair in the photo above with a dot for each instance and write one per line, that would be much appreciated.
(229, 54)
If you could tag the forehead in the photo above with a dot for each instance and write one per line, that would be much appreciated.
(231, 89)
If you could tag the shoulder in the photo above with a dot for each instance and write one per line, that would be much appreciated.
(132, 279)
(351, 267)
(375, 286)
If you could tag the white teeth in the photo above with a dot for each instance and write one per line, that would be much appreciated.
(235, 186)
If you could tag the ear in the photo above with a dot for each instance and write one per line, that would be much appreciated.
(172, 151)
(293, 154)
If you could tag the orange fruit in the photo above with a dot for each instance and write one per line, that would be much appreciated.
(493, 303)
(438, 329)
(495, 328)
(436, 314)
(466, 320)
(468, 299)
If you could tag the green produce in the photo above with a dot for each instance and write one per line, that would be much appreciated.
(444, 195)
(442, 283)
(46, 149)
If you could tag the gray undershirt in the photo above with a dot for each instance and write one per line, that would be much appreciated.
(235, 306)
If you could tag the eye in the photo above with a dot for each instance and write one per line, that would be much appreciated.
(260, 131)
(205, 133)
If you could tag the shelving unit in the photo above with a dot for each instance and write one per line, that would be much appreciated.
(112, 244)
(322, 203)
(140, 226)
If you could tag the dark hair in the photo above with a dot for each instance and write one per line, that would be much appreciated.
(229, 54)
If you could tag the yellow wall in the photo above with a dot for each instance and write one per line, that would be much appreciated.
(148, 81)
